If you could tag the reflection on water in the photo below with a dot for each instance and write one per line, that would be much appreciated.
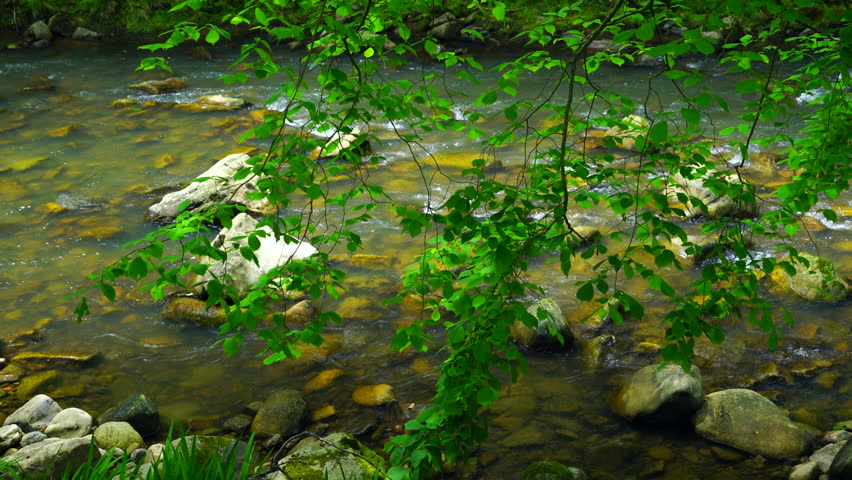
(77, 174)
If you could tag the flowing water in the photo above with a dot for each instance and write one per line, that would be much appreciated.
(70, 198)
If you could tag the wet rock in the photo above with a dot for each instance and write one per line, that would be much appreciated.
(85, 34)
(634, 126)
(836, 436)
(540, 337)
(207, 447)
(242, 274)
(193, 310)
(718, 205)
(124, 102)
(40, 360)
(547, 470)
(339, 141)
(69, 423)
(323, 413)
(156, 87)
(300, 313)
(445, 27)
(660, 395)
(373, 395)
(10, 436)
(805, 471)
(748, 421)
(375, 262)
(283, 413)
(841, 466)
(60, 25)
(117, 435)
(363, 422)
(32, 438)
(38, 35)
(201, 196)
(62, 131)
(238, 424)
(53, 456)
(32, 383)
(331, 460)
(825, 455)
(323, 379)
(165, 160)
(816, 281)
(200, 53)
(232, 103)
(23, 164)
(139, 411)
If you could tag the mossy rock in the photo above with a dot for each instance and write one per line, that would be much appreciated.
(815, 281)
(329, 460)
(547, 470)
(193, 310)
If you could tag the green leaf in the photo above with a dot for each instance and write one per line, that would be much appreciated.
(212, 37)
(499, 11)
(487, 98)
(486, 396)
(431, 47)
(82, 309)
(107, 290)
(692, 117)
(659, 132)
(646, 31)
(585, 292)
(230, 346)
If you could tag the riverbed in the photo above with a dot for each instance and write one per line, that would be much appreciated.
(77, 174)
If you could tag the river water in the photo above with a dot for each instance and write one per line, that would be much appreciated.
(71, 197)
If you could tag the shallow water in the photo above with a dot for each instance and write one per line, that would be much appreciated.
(100, 170)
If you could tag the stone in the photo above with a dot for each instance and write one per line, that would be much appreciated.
(10, 436)
(836, 436)
(805, 471)
(445, 27)
(340, 141)
(60, 25)
(23, 164)
(825, 455)
(117, 435)
(718, 205)
(207, 447)
(373, 395)
(547, 470)
(63, 131)
(660, 395)
(165, 160)
(375, 262)
(815, 282)
(38, 32)
(238, 424)
(154, 453)
(242, 274)
(41, 360)
(32, 438)
(323, 379)
(540, 337)
(746, 420)
(157, 87)
(232, 103)
(69, 423)
(634, 126)
(53, 456)
(284, 413)
(362, 423)
(194, 311)
(138, 410)
(218, 186)
(331, 460)
(85, 34)
(841, 466)
(35, 414)
(323, 413)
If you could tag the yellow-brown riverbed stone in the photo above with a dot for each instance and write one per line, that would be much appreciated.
(23, 164)
(62, 131)
(165, 160)
(323, 379)
(325, 411)
(100, 233)
(373, 395)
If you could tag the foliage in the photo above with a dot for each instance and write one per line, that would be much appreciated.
(481, 240)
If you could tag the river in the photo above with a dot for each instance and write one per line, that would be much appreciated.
(71, 197)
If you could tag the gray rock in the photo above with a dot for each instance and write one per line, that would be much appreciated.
(204, 448)
(660, 395)
(540, 337)
(35, 414)
(223, 101)
(31, 438)
(331, 462)
(841, 466)
(118, 435)
(815, 282)
(85, 34)
(220, 185)
(284, 413)
(836, 436)
(746, 420)
(38, 32)
(60, 25)
(242, 274)
(53, 456)
(156, 87)
(154, 453)
(238, 424)
(548, 470)
(805, 471)
(717, 205)
(69, 423)
(40, 44)
(445, 27)
(825, 455)
(138, 411)
(10, 436)
(138, 455)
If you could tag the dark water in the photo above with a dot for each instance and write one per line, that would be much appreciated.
(99, 175)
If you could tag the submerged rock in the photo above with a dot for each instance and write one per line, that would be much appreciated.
(331, 460)
(156, 87)
(193, 310)
(634, 126)
(718, 205)
(139, 411)
(816, 281)
(218, 188)
(746, 420)
(540, 337)
(373, 395)
(547, 470)
(660, 395)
